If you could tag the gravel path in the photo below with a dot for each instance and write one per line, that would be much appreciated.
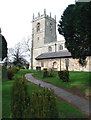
(81, 103)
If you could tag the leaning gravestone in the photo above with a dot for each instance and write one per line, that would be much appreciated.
(3, 67)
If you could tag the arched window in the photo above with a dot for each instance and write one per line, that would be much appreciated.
(42, 63)
(38, 27)
(60, 47)
(50, 27)
(38, 38)
(49, 48)
(55, 65)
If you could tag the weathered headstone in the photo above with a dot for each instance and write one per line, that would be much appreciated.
(38, 69)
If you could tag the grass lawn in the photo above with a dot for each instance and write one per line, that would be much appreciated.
(65, 110)
(78, 80)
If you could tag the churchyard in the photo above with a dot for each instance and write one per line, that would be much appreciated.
(65, 110)
(79, 82)
(28, 93)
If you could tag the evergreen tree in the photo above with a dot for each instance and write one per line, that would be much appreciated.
(74, 25)
(19, 98)
(43, 105)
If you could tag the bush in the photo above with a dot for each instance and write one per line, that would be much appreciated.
(51, 73)
(19, 65)
(43, 105)
(64, 75)
(17, 68)
(11, 71)
(19, 98)
(45, 73)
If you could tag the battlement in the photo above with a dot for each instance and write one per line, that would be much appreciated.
(44, 16)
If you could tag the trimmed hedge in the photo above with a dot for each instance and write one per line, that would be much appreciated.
(45, 73)
(64, 75)
(51, 73)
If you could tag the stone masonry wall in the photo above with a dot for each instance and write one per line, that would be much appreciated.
(73, 64)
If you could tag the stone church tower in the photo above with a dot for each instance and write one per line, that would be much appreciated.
(47, 51)
(43, 33)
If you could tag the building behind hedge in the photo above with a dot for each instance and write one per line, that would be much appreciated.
(47, 51)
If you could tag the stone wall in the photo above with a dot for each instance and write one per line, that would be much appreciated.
(58, 64)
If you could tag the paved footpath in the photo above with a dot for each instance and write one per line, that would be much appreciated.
(81, 103)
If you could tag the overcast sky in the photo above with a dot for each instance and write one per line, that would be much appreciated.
(16, 16)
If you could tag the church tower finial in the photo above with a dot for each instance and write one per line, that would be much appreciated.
(55, 17)
(38, 14)
(50, 14)
(44, 11)
(33, 16)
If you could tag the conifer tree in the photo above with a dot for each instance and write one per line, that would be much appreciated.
(19, 98)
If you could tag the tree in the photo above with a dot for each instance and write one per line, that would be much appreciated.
(74, 25)
(28, 46)
(20, 53)
(20, 98)
(43, 105)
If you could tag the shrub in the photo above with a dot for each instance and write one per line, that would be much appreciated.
(11, 71)
(45, 73)
(19, 98)
(51, 73)
(45, 69)
(17, 68)
(19, 65)
(64, 75)
(43, 105)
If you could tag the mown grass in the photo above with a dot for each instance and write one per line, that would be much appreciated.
(65, 110)
(79, 80)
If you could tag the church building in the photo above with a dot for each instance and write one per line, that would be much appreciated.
(47, 51)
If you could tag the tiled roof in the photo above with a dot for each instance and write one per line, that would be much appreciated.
(51, 55)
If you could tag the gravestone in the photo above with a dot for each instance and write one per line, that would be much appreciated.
(38, 69)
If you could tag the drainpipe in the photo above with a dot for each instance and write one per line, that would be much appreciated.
(32, 52)
(60, 64)
(55, 47)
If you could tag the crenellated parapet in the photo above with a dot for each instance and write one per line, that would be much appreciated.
(40, 16)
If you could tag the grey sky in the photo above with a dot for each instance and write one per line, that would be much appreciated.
(16, 16)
